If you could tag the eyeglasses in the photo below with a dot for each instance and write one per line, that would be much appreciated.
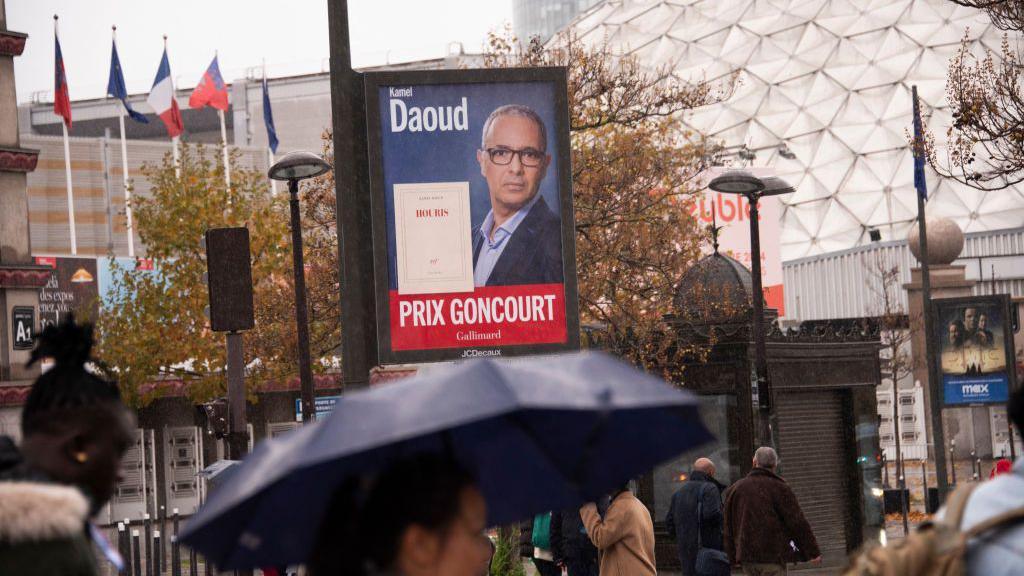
(529, 157)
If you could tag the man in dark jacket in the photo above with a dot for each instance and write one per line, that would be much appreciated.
(682, 520)
(570, 544)
(762, 517)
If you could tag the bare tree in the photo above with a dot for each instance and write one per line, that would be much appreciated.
(895, 333)
(985, 144)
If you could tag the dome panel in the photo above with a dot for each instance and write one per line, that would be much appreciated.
(838, 16)
(830, 80)
(658, 20)
(881, 16)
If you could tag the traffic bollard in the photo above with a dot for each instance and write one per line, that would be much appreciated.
(123, 546)
(193, 562)
(157, 566)
(163, 530)
(136, 553)
(175, 547)
(147, 526)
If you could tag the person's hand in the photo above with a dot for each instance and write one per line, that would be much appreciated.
(816, 560)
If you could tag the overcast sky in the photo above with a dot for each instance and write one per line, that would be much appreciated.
(290, 34)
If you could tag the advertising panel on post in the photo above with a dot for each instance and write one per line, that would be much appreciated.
(975, 353)
(474, 253)
(73, 288)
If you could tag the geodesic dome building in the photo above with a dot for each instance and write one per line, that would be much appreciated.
(824, 99)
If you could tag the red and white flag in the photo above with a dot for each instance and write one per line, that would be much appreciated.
(161, 98)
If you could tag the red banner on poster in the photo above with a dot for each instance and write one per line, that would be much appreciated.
(487, 317)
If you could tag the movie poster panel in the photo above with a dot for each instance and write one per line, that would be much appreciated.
(472, 213)
(975, 358)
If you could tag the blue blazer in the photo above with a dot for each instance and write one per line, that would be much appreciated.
(534, 252)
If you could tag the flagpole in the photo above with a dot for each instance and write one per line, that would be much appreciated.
(67, 173)
(273, 183)
(71, 196)
(124, 169)
(935, 388)
(127, 189)
(224, 141)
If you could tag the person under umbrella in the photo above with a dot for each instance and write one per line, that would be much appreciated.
(420, 516)
(411, 472)
(75, 431)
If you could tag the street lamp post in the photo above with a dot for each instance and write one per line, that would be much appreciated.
(753, 189)
(293, 167)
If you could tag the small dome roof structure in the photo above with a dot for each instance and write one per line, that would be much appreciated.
(715, 291)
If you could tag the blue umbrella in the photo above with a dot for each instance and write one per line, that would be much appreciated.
(544, 433)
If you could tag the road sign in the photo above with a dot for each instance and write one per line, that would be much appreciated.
(323, 405)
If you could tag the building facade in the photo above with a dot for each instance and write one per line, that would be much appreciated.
(542, 18)
(823, 100)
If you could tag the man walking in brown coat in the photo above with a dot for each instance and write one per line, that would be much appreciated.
(624, 537)
(762, 517)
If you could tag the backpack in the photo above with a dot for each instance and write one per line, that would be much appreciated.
(935, 548)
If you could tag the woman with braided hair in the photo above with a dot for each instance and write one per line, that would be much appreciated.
(75, 429)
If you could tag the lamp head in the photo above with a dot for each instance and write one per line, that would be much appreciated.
(298, 165)
(737, 182)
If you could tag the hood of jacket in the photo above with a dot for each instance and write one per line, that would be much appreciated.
(32, 509)
(37, 511)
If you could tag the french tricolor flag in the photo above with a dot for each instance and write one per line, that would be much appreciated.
(161, 98)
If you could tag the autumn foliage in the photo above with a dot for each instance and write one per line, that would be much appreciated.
(634, 167)
(155, 329)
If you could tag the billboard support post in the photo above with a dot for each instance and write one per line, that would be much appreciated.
(934, 384)
(351, 181)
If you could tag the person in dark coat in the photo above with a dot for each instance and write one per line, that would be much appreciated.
(570, 545)
(762, 517)
(75, 430)
(681, 520)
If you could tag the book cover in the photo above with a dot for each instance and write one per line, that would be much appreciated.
(433, 233)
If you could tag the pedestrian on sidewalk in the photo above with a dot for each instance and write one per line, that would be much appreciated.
(700, 493)
(624, 536)
(75, 429)
(421, 515)
(543, 558)
(570, 544)
(764, 526)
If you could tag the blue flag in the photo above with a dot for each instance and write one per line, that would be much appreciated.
(115, 86)
(920, 184)
(268, 117)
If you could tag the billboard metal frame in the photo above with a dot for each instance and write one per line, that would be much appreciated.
(1000, 301)
(373, 82)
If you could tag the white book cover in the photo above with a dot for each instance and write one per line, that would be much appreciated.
(433, 233)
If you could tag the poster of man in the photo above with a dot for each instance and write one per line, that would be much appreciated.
(471, 195)
(520, 239)
(973, 359)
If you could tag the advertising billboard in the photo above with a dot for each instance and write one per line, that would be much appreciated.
(73, 287)
(472, 213)
(975, 349)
